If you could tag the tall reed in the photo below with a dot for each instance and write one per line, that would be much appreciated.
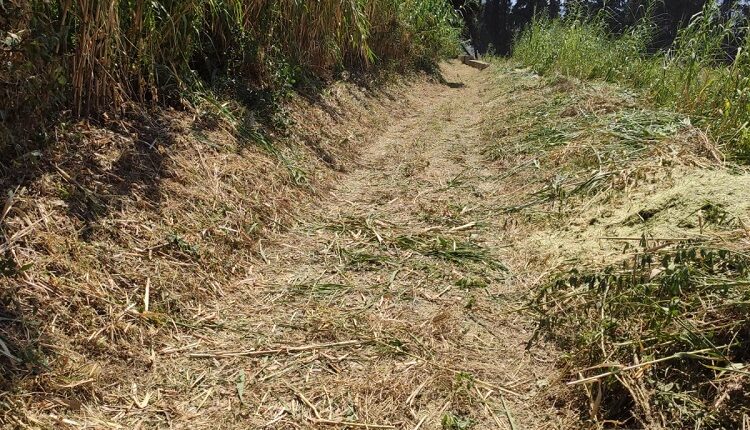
(93, 56)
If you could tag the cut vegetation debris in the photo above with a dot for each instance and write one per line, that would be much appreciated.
(517, 251)
(652, 309)
(188, 278)
(643, 227)
(698, 75)
(109, 257)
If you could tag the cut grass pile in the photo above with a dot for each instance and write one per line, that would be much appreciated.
(376, 238)
(643, 224)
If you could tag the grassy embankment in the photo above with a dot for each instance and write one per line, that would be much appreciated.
(698, 75)
(650, 301)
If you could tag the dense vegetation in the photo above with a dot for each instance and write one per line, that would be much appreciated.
(492, 24)
(93, 57)
(656, 334)
(704, 73)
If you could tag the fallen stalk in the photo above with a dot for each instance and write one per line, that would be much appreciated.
(278, 351)
(644, 364)
(457, 372)
(657, 239)
(351, 424)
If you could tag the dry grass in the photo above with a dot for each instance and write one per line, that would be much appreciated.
(385, 304)
(414, 292)
(635, 215)
(110, 255)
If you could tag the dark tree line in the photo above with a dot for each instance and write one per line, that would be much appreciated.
(492, 24)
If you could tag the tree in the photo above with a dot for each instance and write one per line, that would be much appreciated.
(524, 11)
(496, 31)
(496, 21)
(470, 11)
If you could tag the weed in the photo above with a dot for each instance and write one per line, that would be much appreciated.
(464, 380)
(453, 421)
(545, 137)
(9, 266)
(394, 347)
(640, 127)
(447, 249)
(425, 244)
(176, 242)
(561, 188)
(320, 289)
(470, 303)
(363, 260)
(683, 311)
(471, 283)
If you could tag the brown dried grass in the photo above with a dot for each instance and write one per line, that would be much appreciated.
(119, 237)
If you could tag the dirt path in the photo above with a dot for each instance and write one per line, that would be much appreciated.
(388, 306)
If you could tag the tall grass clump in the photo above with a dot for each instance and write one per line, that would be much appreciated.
(90, 57)
(705, 73)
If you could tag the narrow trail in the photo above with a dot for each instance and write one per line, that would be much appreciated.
(390, 302)
(445, 274)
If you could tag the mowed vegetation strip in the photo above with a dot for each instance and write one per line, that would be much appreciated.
(644, 226)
